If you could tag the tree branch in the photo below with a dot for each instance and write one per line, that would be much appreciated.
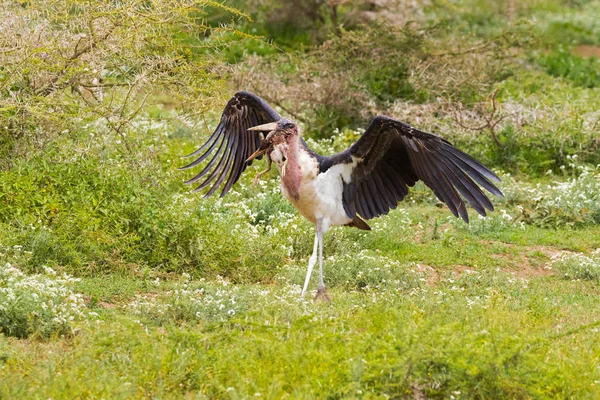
(52, 86)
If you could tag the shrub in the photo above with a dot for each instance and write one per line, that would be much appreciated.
(578, 266)
(581, 71)
(361, 72)
(42, 304)
(571, 202)
(214, 301)
(341, 82)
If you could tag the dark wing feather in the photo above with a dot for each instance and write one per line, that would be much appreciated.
(392, 155)
(233, 141)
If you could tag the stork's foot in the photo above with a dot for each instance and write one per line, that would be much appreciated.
(322, 294)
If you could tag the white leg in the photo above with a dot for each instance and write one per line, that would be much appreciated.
(311, 262)
(321, 283)
(321, 290)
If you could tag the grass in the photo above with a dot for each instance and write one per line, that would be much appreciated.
(479, 335)
(416, 311)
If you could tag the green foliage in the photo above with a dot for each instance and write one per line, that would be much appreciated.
(581, 71)
(471, 17)
(540, 122)
(570, 202)
(98, 211)
(570, 24)
(578, 266)
(41, 305)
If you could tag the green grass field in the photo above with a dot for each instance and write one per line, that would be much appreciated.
(423, 306)
(414, 313)
(117, 282)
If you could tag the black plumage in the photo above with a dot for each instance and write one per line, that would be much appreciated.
(233, 141)
(394, 155)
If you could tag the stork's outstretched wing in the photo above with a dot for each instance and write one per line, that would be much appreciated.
(392, 155)
(232, 141)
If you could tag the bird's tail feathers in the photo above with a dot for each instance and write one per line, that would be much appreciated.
(359, 223)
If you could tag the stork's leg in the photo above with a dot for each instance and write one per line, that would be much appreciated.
(311, 261)
(261, 173)
(321, 289)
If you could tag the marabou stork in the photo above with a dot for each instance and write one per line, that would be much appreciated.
(362, 182)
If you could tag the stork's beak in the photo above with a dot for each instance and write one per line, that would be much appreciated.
(257, 153)
(271, 126)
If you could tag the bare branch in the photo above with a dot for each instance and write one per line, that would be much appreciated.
(491, 119)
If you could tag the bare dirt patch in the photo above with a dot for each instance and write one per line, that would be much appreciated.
(431, 274)
(104, 304)
(529, 271)
(520, 261)
(551, 252)
(527, 261)
(586, 51)
(528, 264)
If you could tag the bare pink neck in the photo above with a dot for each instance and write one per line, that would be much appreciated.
(293, 171)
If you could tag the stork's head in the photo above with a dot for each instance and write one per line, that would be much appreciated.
(281, 134)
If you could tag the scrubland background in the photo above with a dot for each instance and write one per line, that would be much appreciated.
(117, 282)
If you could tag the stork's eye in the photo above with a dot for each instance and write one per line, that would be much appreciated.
(289, 125)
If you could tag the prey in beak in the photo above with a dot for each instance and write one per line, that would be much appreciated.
(265, 145)
(257, 153)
